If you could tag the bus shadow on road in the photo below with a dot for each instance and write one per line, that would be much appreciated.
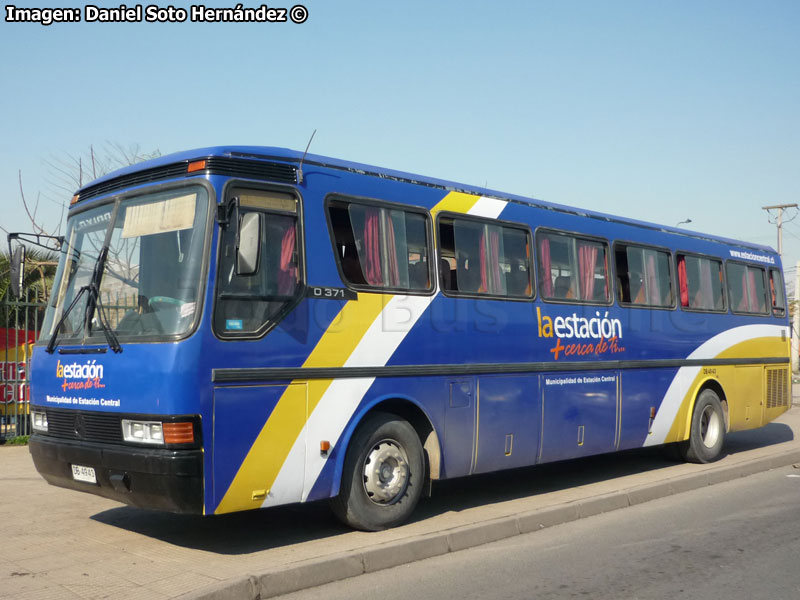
(260, 530)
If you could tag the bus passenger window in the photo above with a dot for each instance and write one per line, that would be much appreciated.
(484, 258)
(644, 276)
(381, 247)
(573, 269)
(777, 292)
(700, 281)
(746, 288)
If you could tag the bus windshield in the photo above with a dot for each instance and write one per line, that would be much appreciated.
(152, 275)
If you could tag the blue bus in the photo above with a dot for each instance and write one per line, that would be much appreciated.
(234, 328)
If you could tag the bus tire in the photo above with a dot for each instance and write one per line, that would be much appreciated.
(707, 434)
(383, 475)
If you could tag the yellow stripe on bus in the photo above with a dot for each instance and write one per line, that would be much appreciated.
(764, 346)
(455, 202)
(264, 460)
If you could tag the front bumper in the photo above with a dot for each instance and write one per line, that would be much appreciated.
(156, 478)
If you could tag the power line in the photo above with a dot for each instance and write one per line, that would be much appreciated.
(795, 236)
(780, 208)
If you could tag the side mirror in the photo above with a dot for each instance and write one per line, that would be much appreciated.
(248, 244)
(17, 271)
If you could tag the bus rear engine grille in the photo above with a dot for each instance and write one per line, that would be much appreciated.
(84, 425)
(777, 388)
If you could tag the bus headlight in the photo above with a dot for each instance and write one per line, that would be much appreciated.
(158, 433)
(39, 421)
(143, 432)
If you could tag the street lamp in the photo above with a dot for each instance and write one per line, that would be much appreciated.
(683, 222)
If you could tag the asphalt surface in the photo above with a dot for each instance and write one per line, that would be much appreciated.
(738, 540)
(56, 543)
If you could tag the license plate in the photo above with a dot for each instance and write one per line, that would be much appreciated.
(81, 473)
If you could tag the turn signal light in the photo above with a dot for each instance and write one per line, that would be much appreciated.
(179, 433)
(198, 165)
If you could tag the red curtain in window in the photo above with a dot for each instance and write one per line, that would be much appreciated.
(754, 304)
(654, 289)
(587, 257)
(392, 270)
(544, 263)
(483, 262)
(287, 274)
(706, 294)
(495, 281)
(372, 247)
(744, 304)
(682, 281)
(772, 290)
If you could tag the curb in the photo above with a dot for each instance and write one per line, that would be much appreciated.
(312, 573)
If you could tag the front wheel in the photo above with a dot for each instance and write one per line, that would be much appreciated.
(383, 474)
(708, 430)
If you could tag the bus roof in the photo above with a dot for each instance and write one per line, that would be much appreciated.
(270, 153)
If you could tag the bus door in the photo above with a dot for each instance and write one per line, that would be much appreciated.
(580, 414)
(509, 418)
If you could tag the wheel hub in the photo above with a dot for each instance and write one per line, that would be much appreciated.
(710, 427)
(386, 472)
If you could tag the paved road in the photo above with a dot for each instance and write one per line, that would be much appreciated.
(56, 543)
(739, 540)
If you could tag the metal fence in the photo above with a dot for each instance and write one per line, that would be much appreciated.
(20, 323)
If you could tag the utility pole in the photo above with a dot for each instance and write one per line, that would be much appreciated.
(795, 345)
(779, 208)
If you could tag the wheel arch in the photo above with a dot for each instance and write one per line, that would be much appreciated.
(406, 408)
(716, 387)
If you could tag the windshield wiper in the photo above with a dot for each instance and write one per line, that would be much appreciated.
(93, 290)
(51, 345)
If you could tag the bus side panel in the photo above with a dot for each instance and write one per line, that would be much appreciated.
(746, 397)
(458, 439)
(253, 428)
(642, 391)
(756, 394)
(509, 420)
(579, 414)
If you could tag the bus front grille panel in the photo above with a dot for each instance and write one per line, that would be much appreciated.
(253, 169)
(777, 388)
(84, 425)
(215, 165)
(142, 177)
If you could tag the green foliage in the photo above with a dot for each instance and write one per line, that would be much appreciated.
(20, 440)
(37, 284)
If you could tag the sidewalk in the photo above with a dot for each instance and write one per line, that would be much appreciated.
(60, 544)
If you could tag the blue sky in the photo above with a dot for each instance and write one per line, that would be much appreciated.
(662, 111)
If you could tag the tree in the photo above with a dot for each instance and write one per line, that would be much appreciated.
(37, 283)
(65, 175)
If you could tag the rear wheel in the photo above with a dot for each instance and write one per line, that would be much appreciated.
(383, 474)
(708, 430)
